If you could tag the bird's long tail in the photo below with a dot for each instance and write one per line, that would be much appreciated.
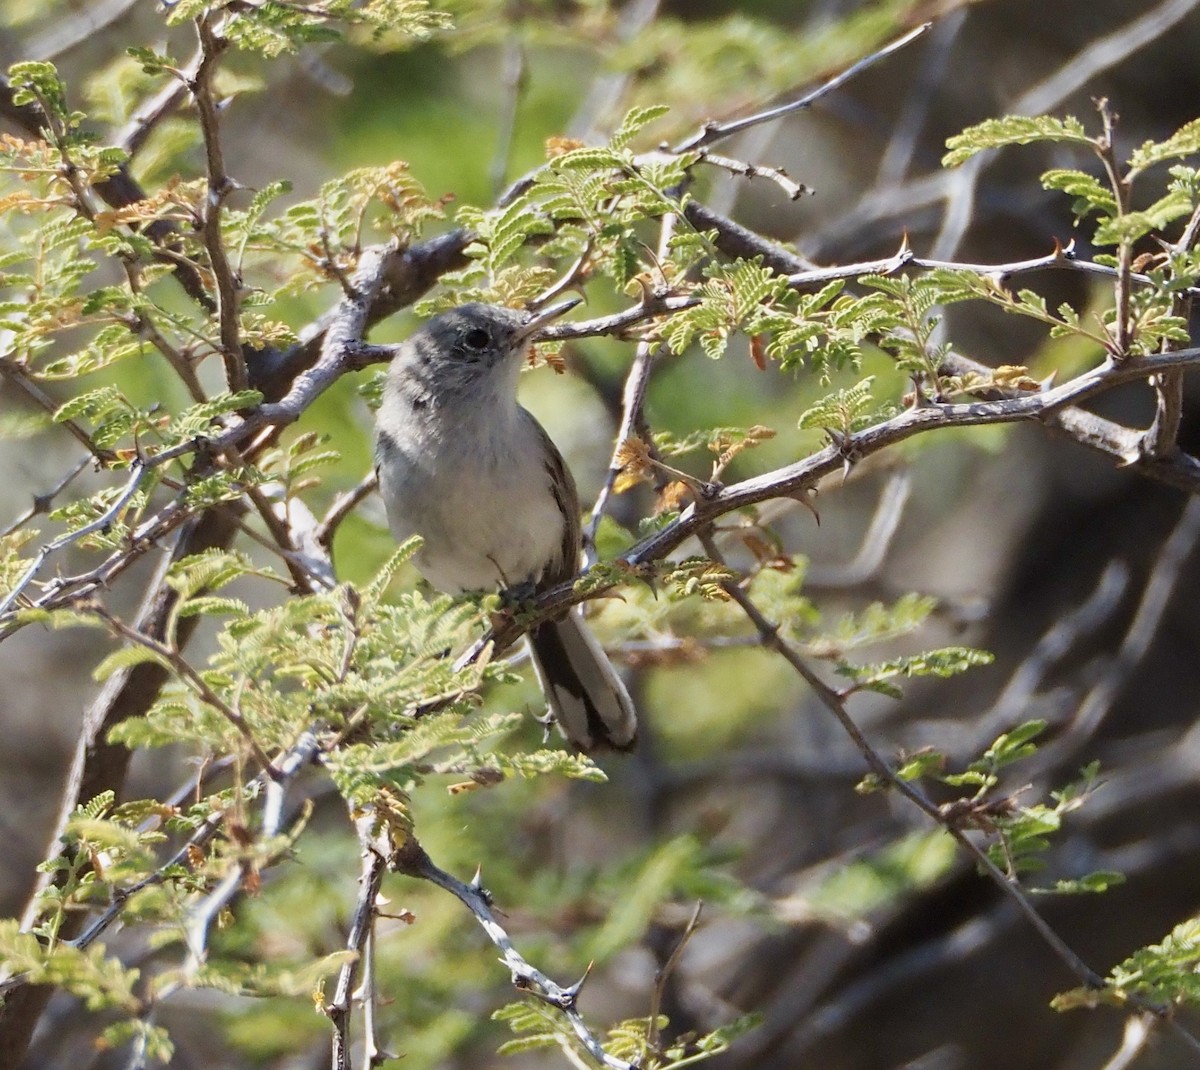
(586, 695)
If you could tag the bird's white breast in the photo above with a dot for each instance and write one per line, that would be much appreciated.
(481, 498)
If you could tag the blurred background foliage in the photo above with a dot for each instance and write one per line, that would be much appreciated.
(864, 941)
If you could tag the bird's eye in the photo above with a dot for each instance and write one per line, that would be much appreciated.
(476, 338)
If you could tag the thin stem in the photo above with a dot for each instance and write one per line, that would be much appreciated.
(42, 502)
(712, 132)
(147, 118)
(376, 852)
(219, 187)
(835, 704)
(343, 505)
(513, 80)
(183, 668)
(1122, 331)
(663, 975)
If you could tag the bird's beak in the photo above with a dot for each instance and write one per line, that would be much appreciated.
(539, 319)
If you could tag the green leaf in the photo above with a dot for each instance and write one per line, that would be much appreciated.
(843, 411)
(212, 607)
(387, 572)
(91, 403)
(1015, 745)
(925, 763)
(1099, 881)
(866, 884)
(126, 658)
(1013, 130)
(151, 62)
(943, 663)
(541, 762)
(101, 982)
(1091, 195)
(635, 121)
(1133, 225)
(37, 82)
(1168, 972)
(1184, 142)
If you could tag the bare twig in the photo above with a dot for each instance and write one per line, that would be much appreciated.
(794, 190)
(42, 502)
(1100, 54)
(1138, 1030)
(570, 279)
(148, 117)
(608, 88)
(137, 473)
(663, 975)
(925, 81)
(203, 835)
(1057, 642)
(795, 479)
(1162, 436)
(212, 46)
(513, 79)
(202, 915)
(146, 536)
(413, 861)
(712, 132)
(20, 378)
(834, 702)
(1160, 588)
(71, 29)
(644, 359)
(343, 505)
(1122, 329)
(376, 852)
(1103, 53)
(871, 554)
(632, 401)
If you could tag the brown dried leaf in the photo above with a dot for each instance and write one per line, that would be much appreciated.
(727, 448)
(1014, 377)
(636, 465)
(675, 495)
(559, 145)
(758, 351)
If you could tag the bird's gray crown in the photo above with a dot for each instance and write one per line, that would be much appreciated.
(473, 334)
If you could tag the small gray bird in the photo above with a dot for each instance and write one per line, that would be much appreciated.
(464, 466)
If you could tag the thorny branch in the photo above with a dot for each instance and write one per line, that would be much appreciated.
(148, 117)
(376, 853)
(412, 860)
(342, 507)
(137, 473)
(202, 915)
(633, 400)
(342, 350)
(42, 502)
(796, 479)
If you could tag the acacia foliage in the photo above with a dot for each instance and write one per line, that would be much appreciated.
(198, 287)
